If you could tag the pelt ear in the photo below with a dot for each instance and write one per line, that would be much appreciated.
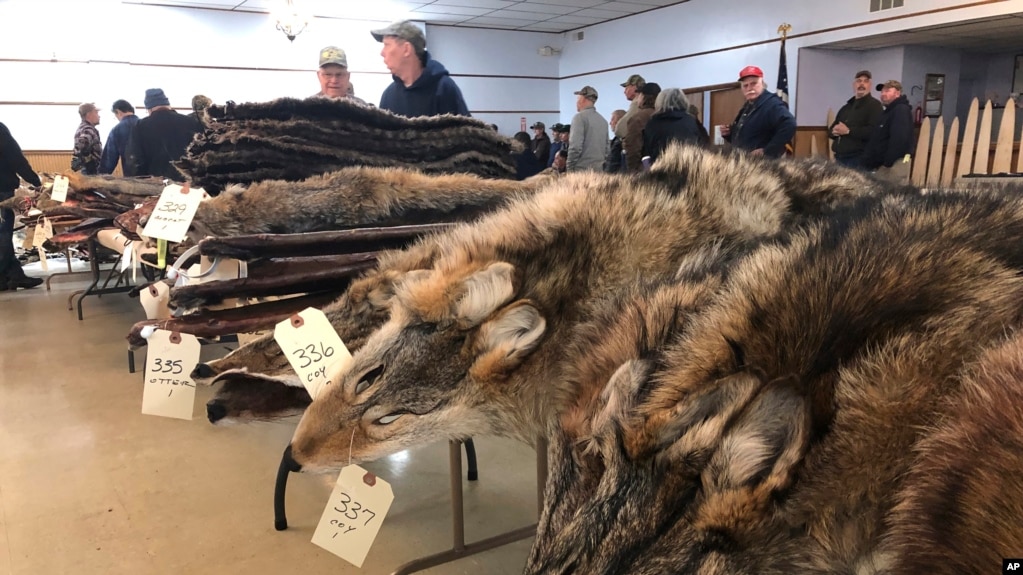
(484, 292)
(766, 442)
(507, 339)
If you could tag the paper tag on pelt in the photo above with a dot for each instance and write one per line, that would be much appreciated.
(155, 299)
(38, 235)
(169, 390)
(227, 269)
(313, 348)
(42, 260)
(173, 213)
(354, 513)
(59, 191)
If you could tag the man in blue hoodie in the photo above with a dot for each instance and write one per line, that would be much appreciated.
(422, 86)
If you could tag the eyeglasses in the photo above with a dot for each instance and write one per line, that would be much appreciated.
(338, 76)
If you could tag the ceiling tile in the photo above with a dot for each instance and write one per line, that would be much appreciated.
(502, 22)
(440, 18)
(459, 10)
(576, 3)
(573, 19)
(492, 4)
(521, 15)
(624, 7)
(598, 13)
(545, 8)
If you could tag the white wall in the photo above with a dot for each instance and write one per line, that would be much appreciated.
(833, 72)
(103, 53)
(723, 27)
(923, 60)
(500, 73)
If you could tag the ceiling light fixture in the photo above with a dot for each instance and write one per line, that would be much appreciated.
(290, 20)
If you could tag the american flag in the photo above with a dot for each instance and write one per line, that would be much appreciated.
(783, 76)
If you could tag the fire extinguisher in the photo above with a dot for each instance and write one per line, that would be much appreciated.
(918, 115)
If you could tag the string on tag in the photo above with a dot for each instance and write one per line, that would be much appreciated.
(350, 443)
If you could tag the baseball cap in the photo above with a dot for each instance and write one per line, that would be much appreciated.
(538, 126)
(751, 71)
(634, 80)
(405, 30)
(650, 89)
(333, 55)
(890, 84)
(587, 92)
(864, 73)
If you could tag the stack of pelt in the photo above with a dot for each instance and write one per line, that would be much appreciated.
(93, 202)
(305, 241)
(291, 139)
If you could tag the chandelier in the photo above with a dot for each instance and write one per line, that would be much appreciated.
(290, 20)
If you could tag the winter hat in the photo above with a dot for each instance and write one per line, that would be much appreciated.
(155, 97)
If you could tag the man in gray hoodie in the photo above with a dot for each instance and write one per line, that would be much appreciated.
(587, 144)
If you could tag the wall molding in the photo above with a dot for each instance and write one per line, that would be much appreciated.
(790, 37)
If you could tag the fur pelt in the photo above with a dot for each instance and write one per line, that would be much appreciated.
(756, 198)
(774, 430)
(350, 198)
(488, 324)
(290, 139)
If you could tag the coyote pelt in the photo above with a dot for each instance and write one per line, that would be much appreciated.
(788, 425)
(352, 197)
(487, 325)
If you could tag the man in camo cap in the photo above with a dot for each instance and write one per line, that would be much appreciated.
(334, 76)
(421, 86)
(632, 86)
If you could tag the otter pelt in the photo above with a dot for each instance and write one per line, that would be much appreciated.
(323, 136)
(353, 197)
(353, 125)
(245, 166)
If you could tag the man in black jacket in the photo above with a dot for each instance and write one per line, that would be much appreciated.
(888, 152)
(541, 143)
(855, 122)
(159, 139)
(12, 165)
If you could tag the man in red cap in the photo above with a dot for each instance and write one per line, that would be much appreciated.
(764, 125)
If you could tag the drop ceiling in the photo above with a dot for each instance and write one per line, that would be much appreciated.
(533, 15)
(987, 35)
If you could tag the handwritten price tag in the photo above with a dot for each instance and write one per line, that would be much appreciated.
(169, 391)
(59, 191)
(173, 213)
(43, 231)
(313, 348)
(354, 513)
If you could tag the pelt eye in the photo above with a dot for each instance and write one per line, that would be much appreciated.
(388, 419)
(368, 379)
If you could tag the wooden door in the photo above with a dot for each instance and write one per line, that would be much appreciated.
(725, 104)
(696, 99)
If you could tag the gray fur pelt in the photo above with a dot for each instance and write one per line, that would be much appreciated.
(291, 139)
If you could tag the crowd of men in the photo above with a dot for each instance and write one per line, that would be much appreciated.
(867, 133)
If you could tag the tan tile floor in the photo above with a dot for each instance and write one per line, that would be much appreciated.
(89, 485)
